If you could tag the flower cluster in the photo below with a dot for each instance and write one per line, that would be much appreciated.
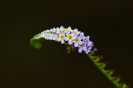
(73, 37)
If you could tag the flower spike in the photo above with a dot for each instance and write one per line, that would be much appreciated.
(72, 37)
(75, 39)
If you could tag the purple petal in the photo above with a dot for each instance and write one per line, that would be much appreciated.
(87, 38)
(84, 48)
(80, 50)
(95, 49)
(75, 29)
(92, 52)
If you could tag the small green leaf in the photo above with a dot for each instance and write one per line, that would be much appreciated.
(112, 78)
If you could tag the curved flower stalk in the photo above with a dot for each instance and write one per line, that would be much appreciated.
(75, 39)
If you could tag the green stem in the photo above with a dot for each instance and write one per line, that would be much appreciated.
(107, 73)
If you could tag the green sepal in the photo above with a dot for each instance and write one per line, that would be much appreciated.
(117, 80)
(98, 64)
(124, 86)
(105, 71)
(92, 57)
(103, 65)
(112, 78)
(97, 60)
(110, 73)
(90, 54)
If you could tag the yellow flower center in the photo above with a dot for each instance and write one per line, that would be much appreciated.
(60, 30)
(62, 37)
(82, 45)
(77, 40)
(70, 37)
(67, 30)
(75, 32)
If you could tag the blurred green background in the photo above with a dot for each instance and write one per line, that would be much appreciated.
(109, 23)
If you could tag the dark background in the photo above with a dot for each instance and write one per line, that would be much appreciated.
(109, 23)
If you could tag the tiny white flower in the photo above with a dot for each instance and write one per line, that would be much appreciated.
(47, 30)
(77, 41)
(47, 35)
(43, 35)
(54, 30)
(82, 47)
(90, 43)
(60, 30)
(81, 34)
(86, 39)
(69, 38)
(51, 36)
(68, 30)
(51, 30)
(62, 38)
(55, 37)
(75, 31)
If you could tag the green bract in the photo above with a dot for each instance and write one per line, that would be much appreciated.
(36, 42)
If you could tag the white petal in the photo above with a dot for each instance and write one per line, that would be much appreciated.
(62, 42)
(76, 44)
(80, 42)
(66, 38)
(70, 42)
